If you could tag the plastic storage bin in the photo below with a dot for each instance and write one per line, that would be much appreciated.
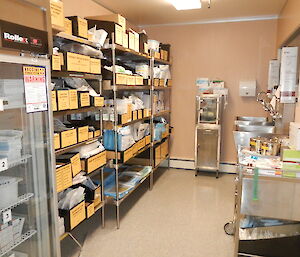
(11, 144)
(12, 91)
(8, 190)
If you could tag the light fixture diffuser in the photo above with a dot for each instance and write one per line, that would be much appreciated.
(185, 4)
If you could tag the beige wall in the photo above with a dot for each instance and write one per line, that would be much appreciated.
(228, 51)
(289, 21)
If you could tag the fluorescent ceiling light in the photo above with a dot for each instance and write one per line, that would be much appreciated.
(185, 4)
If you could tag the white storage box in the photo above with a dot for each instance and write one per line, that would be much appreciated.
(11, 144)
(8, 190)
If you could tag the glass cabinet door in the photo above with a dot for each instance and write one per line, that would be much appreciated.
(27, 204)
(208, 109)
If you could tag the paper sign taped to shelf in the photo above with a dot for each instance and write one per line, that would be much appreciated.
(6, 216)
(1, 105)
(3, 164)
(35, 84)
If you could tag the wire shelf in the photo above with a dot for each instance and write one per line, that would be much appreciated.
(20, 161)
(17, 242)
(21, 199)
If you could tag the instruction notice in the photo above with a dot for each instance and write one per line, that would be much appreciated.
(35, 88)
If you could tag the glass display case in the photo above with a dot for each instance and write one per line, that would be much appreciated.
(28, 206)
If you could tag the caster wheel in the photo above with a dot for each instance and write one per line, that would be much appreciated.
(229, 228)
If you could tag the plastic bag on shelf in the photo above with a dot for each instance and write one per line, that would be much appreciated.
(99, 35)
(79, 178)
(80, 49)
(139, 130)
(72, 198)
(125, 139)
(88, 150)
(80, 85)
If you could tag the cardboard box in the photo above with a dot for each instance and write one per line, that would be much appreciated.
(147, 113)
(164, 149)
(57, 13)
(95, 65)
(90, 209)
(77, 62)
(122, 79)
(140, 114)
(79, 26)
(83, 133)
(122, 156)
(130, 80)
(73, 99)
(74, 216)
(291, 155)
(125, 40)
(92, 195)
(169, 82)
(91, 134)
(97, 133)
(139, 80)
(141, 143)
(124, 118)
(63, 177)
(97, 101)
(157, 55)
(137, 42)
(131, 40)
(98, 199)
(134, 115)
(53, 101)
(94, 162)
(157, 155)
(84, 99)
(68, 138)
(156, 82)
(110, 28)
(117, 18)
(147, 140)
(55, 62)
(63, 100)
(135, 149)
(166, 50)
(143, 43)
(74, 159)
(68, 26)
(56, 141)
(161, 82)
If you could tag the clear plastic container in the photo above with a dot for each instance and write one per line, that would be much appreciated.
(10, 140)
(8, 190)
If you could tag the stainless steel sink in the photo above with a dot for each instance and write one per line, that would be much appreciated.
(253, 119)
(255, 128)
(248, 127)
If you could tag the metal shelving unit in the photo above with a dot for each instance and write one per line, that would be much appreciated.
(96, 83)
(119, 54)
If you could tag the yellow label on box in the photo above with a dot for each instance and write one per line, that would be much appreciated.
(85, 99)
(90, 210)
(125, 40)
(77, 215)
(91, 134)
(97, 133)
(131, 80)
(63, 177)
(83, 133)
(56, 65)
(139, 80)
(63, 102)
(98, 101)
(121, 79)
(128, 154)
(148, 140)
(68, 137)
(56, 141)
(78, 62)
(118, 34)
(73, 97)
(95, 66)
(53, 100)
(96, 161)
(131, 40)
(68, 26)
(76, 164)
(82, 27)
(57, 13)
